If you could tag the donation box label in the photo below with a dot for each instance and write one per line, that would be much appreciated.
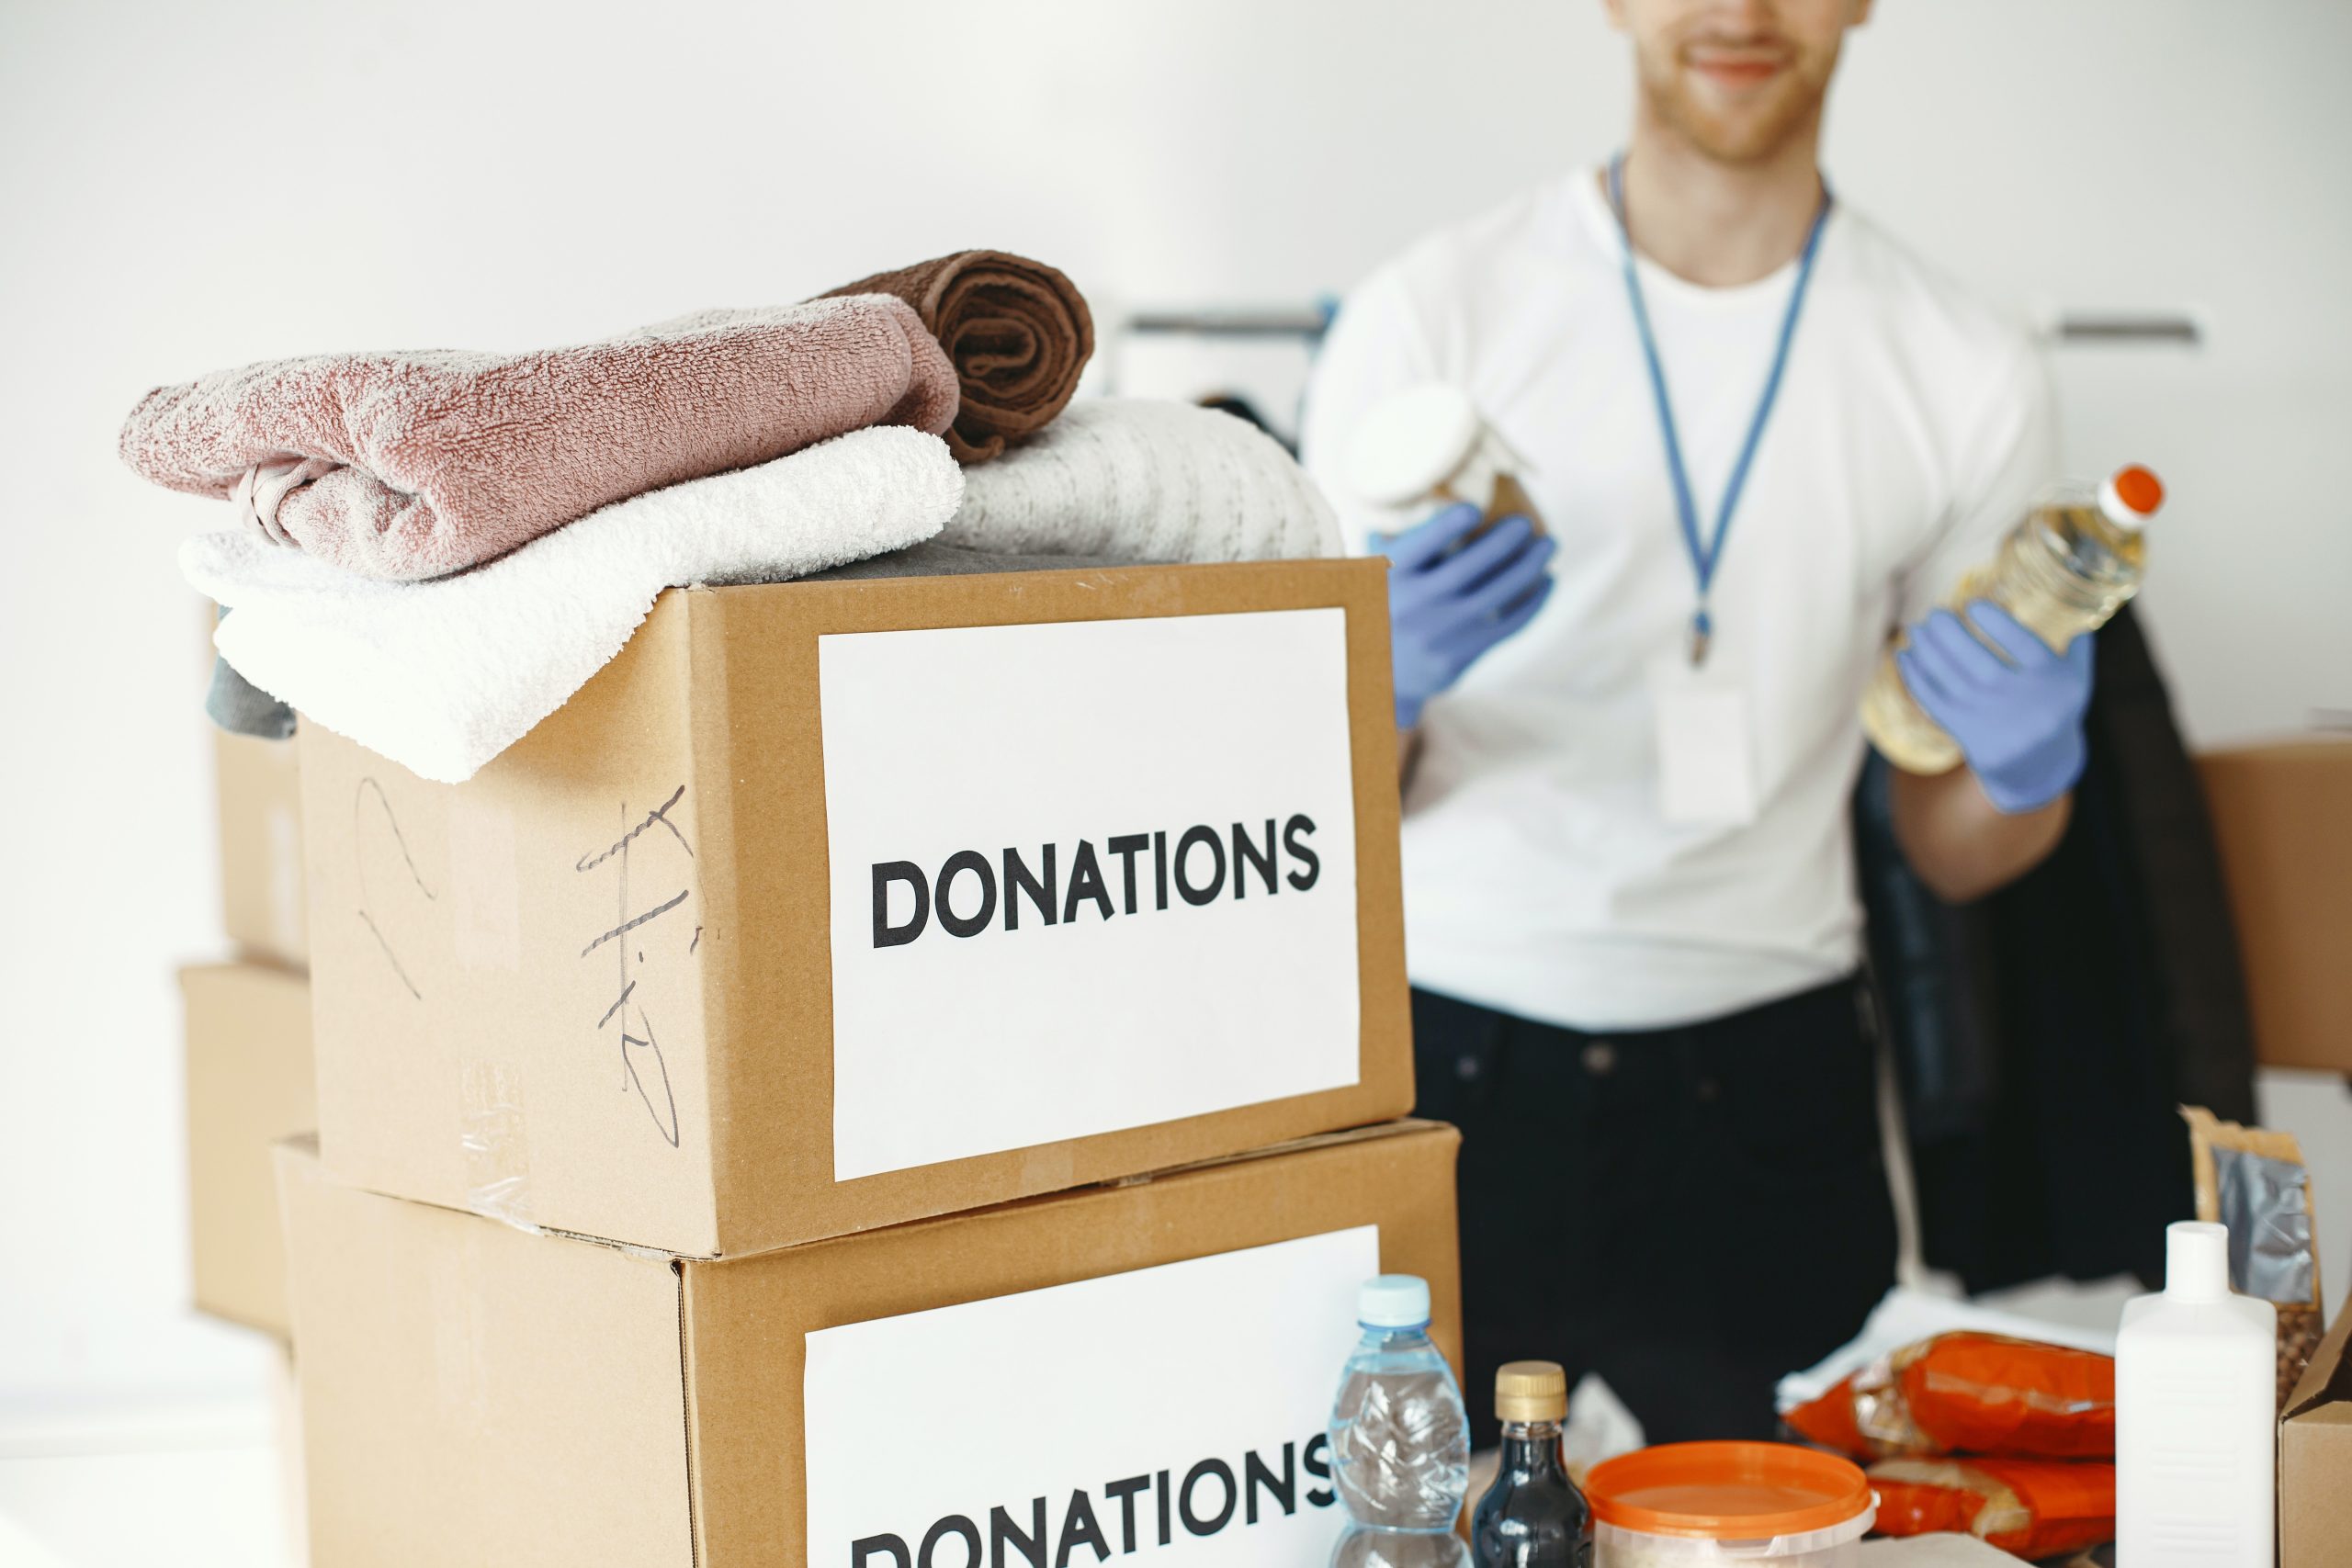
(1174, 1413)
(1086, 875)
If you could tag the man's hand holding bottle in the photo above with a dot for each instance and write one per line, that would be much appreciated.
(2015, 709)
(1453, 592)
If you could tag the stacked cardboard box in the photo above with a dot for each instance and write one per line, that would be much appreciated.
(249, 1085)
(2315, 1458)
(259, 802)
(2282, 815)
(247, 1037)
(895, 1073)
(247, 1067)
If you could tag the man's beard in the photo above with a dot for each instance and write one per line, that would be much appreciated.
(1751, 137)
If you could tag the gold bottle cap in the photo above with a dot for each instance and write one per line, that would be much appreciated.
(1531, 1391)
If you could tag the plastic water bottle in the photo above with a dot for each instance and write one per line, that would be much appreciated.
(1366, 1546)
(2062, 571)
(1400, 1439)
(2195, 1402)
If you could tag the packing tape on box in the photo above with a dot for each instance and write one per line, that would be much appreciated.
(496, 1143)
(1048, 1169)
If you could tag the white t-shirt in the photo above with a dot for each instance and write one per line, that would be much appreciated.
(1912, 428)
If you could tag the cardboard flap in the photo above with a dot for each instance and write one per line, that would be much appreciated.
(1319, 1140)
(2327, 1381)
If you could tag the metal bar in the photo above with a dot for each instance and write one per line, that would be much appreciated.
(1310, 322)
(2087, 327)
(1277, 322)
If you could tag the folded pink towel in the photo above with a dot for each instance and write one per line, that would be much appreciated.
(410, 466)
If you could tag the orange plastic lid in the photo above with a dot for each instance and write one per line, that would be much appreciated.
(1728, 1490)
(2138, 489)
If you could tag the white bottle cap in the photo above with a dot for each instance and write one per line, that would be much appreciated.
(2130, 496)
(1394, 1301)
(1410, 442)
(2196, 1261)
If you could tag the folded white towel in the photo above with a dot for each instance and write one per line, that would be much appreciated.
(1129, 478)
(442, 676)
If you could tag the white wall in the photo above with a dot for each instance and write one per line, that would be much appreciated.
(189, 186)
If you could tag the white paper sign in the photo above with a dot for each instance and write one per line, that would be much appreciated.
(1189, 946)
(1174, 1413)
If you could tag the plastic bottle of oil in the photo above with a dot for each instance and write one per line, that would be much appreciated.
(2062, 571)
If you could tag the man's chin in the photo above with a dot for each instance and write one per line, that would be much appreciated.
(1741, 144)
(1749, 134)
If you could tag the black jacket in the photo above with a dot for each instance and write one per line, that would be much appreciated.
(2044, 1036)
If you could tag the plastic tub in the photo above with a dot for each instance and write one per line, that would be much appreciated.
(1693, 1502)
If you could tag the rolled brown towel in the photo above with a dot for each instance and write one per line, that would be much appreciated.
(1017, 330)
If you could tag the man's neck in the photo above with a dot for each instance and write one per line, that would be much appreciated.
(1715, 223)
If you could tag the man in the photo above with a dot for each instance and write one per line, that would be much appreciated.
(1771, 440)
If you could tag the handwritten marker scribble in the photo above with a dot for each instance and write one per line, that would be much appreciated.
(637, 1039)
(367, 786)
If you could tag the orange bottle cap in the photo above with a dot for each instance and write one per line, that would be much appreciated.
(2138, 489)
(1728, 1490)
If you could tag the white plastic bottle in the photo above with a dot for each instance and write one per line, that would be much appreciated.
(2196, 1391)
(1427, 447)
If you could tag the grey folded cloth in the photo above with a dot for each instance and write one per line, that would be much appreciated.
(931, 558)
(1136, 480)
(239, 706)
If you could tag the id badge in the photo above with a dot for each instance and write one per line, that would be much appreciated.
(1706, 758)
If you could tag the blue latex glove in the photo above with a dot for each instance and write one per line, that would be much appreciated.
(2017, 715)
(1450, 602)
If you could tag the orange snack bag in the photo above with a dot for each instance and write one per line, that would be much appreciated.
(1970, 1392)
(1830, 1421)
(2031, 1507)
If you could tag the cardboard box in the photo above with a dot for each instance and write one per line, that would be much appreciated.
(2282, 815)
(1153, 1360)
(829, 905)
(249, 1085)
(259, 798)
(2315, 1460)
(286, 1423)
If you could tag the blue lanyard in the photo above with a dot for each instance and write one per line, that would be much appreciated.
(1706, 553)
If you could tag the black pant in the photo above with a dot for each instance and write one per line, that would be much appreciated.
(1690, 1212)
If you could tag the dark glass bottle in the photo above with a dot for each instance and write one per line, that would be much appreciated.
(1532, 1516)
